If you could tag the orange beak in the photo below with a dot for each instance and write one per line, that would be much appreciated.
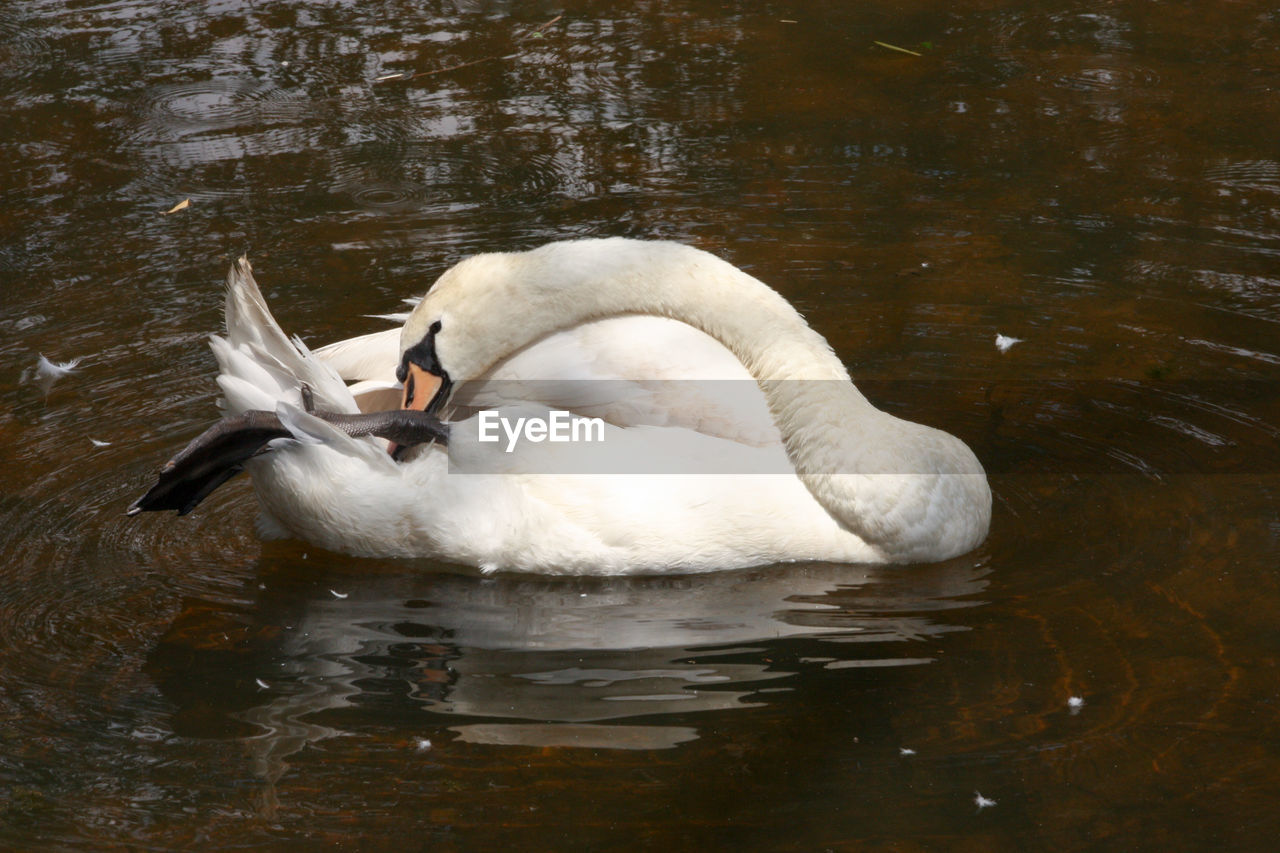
(420, 388)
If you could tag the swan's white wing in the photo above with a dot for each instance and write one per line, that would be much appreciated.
(368, 357)
(369, 363)
(375, 395)
(634, 371)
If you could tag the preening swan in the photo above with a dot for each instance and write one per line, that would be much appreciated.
(808, 468)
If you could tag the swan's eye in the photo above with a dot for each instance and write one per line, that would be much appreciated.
(435, 327)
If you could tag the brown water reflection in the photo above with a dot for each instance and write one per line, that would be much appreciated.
(1099, 180)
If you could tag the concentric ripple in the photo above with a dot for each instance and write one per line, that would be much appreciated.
(22, 51)
(218, 103)
(388, 196)
(216, 138)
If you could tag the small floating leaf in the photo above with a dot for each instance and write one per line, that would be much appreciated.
(182, 205)
(895, 47)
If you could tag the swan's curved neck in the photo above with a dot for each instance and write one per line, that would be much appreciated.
(887, 480)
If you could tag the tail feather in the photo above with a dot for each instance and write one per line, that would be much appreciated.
(243, 395)
(264, 356)
(248, 364)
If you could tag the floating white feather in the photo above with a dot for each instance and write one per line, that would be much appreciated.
(1003, 342)
(47, 372)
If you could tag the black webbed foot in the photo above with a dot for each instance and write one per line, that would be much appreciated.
(219, 453)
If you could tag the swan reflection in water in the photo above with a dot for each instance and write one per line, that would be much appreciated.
(534, 661)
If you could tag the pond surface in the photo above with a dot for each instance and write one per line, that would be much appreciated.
(1097, 179)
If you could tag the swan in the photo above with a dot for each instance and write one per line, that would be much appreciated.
(803, 466)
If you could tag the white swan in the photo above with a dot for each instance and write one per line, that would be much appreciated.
(859, 485)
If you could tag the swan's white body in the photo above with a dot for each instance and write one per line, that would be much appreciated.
(859, 485)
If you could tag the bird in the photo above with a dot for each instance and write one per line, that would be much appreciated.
(730, 434)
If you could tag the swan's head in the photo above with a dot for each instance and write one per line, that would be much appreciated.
(470, 319)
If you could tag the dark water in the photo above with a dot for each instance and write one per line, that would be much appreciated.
(1100, 180)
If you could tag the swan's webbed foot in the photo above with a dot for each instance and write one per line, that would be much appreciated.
(220, 452)
(215, 456)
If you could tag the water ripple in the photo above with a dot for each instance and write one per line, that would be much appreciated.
(86, 587)
(218, 103)
(388, 196)
(22, 51)
(1259, 175)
